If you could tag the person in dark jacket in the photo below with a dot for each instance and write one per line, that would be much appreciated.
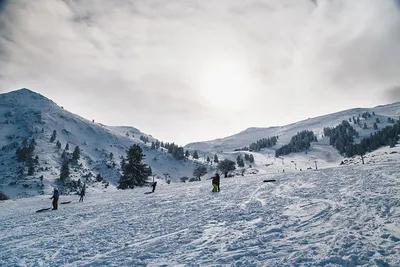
(153, 185)
(82, 193)
(214, 184)
(55, 197)
(218, 179)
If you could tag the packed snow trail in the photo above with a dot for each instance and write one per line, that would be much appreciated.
(343, 216)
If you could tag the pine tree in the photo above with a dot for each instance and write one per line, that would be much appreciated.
(153, 145)
(111, 157)
(64, 172)
(76, 155)
(99, 178)
(208, 159)
(240, 161)
(375, 126)
(246, 157)
(195, 155)
(251, 158)
(66, 147)
(377, 120)
(365, 126)
(58, 145)
(53, 136)
(25, 152)
(134, 172)
(64, 155)
(187, 154)
(216, 160)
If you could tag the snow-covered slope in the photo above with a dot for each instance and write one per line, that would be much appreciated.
(321, 151)
(285, 133)
(26, 114)
(343, 216)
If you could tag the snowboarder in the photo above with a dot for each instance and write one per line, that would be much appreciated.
(154, 186)
(82, 193)
(55, 197)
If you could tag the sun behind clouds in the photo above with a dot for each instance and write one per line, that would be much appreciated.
(225, 84)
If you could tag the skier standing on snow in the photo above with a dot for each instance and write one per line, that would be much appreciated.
(82, 194)
(215, 182)
(55, 197)
(218, 179)
(154, 186)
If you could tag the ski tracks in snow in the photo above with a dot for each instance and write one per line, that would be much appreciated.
(334, 217)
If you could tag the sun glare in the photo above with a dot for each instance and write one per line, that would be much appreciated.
(224, 85)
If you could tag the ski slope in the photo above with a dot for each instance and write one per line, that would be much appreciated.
(321, 153)
(316, 124)
(343, 216)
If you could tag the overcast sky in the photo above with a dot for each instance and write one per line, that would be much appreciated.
(192, 70)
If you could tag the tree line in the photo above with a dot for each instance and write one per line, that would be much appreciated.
(341, 136)
(387, 136)
(299, 142)
(260, 144)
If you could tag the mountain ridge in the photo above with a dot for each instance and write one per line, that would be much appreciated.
(27, 114)
(381, 110)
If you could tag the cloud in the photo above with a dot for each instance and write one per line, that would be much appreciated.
(393, 94)
(166, 66)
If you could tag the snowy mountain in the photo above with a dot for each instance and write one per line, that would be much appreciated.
(26, 114)
(321, 151)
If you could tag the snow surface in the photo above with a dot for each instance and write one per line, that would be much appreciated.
(342, 216)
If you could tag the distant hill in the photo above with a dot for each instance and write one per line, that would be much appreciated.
(26, 114)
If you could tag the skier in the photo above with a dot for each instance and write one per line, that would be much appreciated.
(215, 182)
(82, 193)
(218, 179)
(55, 197)
(154, 186)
